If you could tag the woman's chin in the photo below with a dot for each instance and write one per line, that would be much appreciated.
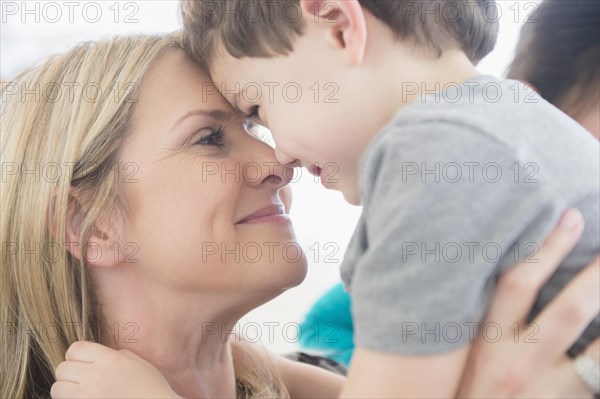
(287, 275)
(292, 280)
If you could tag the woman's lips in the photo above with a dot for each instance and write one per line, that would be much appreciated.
(268, 219)
(269, 214)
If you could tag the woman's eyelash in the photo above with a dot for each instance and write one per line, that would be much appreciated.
(214, 138)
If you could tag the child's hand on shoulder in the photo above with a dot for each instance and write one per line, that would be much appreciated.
(91, 370)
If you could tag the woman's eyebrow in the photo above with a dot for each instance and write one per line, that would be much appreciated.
(216, 114)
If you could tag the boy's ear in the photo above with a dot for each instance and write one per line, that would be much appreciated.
(102, 248)
(530, 85)
(345, 23)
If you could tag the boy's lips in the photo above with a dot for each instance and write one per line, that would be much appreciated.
(317, 172)
(314, 170)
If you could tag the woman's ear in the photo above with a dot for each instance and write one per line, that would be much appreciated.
(102, 248)
(345, 24)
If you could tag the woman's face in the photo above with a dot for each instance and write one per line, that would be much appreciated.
(197, 185)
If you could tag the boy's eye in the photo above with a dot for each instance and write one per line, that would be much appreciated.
(214, 138)
(259, 132)
(253, 114)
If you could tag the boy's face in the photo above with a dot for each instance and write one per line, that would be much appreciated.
(321, 112)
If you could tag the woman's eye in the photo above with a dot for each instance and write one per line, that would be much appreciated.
(214, 138)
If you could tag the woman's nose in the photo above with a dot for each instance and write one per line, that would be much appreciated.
(283, 158)
(269, 171)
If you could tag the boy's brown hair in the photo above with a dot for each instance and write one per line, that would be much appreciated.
(262, 28)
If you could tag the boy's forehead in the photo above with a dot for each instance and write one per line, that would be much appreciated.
(226, 67)
(222, 63)
(230, 75)
(228, 90)
(223, 69)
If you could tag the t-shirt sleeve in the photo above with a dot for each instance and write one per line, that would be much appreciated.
(445, 208)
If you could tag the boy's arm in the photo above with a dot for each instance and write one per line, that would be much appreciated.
(375, 374)
(307, 381)
(91, 370)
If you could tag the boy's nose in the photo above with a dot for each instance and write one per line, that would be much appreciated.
(283, 158)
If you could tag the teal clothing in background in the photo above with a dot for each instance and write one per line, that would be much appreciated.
(327, 327)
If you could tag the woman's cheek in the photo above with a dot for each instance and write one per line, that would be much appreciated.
(285, 194)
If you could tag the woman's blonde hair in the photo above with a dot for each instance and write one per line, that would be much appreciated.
(62, 125)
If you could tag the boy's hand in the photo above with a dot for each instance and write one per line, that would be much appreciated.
(95, 371)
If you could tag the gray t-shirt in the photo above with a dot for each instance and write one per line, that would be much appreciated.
(456, 188)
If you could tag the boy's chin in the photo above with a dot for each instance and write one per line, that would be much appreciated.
(350, 196)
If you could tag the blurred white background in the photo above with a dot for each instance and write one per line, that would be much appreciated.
(31, 30)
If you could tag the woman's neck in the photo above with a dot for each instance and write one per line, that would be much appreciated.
(187, 342)
(201, 381)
